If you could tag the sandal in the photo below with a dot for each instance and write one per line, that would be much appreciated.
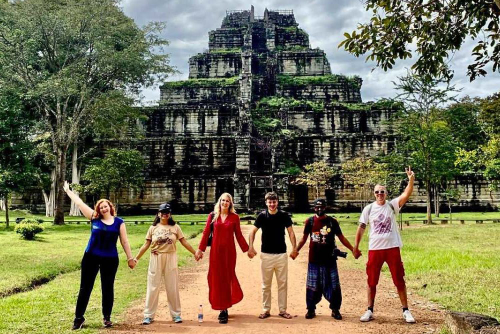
(264, 315)
(285, 315)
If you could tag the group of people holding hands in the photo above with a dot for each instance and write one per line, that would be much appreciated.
(221, 230)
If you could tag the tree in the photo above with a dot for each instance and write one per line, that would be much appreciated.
(16, 149)
(317, 175)
(66, 55)
(437, 28)
(118, 170)
(363, 174)
(426, 141)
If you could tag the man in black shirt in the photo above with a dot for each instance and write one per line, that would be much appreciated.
(322, 272)
(273, 223)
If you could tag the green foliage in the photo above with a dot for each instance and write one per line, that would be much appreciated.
(224, 51)
(388, 104)
(291, 168)
(28, 228)
(62, 57)
(362, 174)
(290, 103)
(118, 170)
(302, 81)
(437, 29)
(317, 175)
(195, 83)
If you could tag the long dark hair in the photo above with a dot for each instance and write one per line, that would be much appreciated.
(157, 220)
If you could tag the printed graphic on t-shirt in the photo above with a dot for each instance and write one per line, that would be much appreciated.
(320, 237)
(163, 236)
(382, 224)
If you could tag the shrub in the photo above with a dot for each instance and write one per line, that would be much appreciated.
(28, 228)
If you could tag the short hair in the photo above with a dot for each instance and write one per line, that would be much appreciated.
(271, 196)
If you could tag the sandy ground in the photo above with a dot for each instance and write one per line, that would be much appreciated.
(243, 317)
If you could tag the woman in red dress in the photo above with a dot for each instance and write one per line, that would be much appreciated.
(224, 288)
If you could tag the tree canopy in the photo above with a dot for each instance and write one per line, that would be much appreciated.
(435, 29)
(65, 57)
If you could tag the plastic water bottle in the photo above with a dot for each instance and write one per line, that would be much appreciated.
(200, 314)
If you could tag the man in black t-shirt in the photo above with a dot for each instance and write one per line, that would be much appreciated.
(273, 223)
(322, 273)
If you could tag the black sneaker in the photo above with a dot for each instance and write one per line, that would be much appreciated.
(78, 323)
(223, 317)
(107, 323)
(310, 314)
(336, 314)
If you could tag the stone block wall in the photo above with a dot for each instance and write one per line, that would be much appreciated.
(197, 95)
(215, 65)
(343, 91)
(312, 62)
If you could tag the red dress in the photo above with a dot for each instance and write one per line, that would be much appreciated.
(223, 286)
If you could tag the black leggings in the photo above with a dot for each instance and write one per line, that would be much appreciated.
(91, 264)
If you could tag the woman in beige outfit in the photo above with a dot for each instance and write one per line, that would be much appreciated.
(162, 237)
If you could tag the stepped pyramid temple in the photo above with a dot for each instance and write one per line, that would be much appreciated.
(257, 107)
(259, 103)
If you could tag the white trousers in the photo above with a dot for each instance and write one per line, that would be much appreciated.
(163, 267)
(274, 264)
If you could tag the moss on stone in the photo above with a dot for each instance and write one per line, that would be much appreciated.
(279, 102)
(302, 81)
(194, 83)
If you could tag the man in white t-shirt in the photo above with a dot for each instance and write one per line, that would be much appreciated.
(384, 244)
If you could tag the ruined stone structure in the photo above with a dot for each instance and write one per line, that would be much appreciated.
(205, 139)
(259, 102)
(202, 140)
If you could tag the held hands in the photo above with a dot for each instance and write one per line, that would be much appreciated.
(132, 263)
(356, 253)
(410, 173)
(251, 253)
(294, 254)
(198, 255)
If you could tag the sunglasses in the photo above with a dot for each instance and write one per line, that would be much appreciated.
(379, 192)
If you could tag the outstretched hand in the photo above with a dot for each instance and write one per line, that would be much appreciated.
(66, 186)
(410, 173)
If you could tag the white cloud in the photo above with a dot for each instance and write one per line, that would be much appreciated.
(189, 21)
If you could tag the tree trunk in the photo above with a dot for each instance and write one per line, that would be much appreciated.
(429, 202)
(75, 179)
(50, 198)
(449, 206)
(60, 178)
(7, 210)
(436, 201)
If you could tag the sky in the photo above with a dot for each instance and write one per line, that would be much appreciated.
(189, 21)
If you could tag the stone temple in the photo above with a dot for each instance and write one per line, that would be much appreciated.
(258, 105)
(208, 135)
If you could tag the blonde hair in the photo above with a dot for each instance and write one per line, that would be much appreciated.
(217, 207)
(97, 210)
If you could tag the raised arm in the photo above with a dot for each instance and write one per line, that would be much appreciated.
(84, 208)
(403, 198)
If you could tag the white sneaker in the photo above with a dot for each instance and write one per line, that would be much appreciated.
(408, 317)
(367, 316)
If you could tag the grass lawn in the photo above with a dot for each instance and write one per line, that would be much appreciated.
(56, 253)
(454, 265)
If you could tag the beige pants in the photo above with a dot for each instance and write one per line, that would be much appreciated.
(163, 267)
(274, 264)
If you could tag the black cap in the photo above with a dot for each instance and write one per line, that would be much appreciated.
(165, 208)
(319, 202)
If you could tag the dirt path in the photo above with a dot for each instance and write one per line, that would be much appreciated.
(243, 316)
